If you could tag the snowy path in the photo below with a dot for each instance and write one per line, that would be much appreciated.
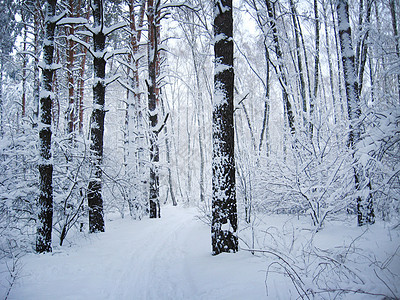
(168, 258)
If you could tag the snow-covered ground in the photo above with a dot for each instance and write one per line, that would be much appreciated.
(169, 258)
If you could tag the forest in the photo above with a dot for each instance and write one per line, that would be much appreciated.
(274, 124)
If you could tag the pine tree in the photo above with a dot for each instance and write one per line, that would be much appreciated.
(45, 203)
(95, 200)
(224, 208)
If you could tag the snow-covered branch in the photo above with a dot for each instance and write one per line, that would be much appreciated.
(111, 29)
(72, 21)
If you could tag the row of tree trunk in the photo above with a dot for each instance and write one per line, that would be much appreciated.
(100, 54)
(224, 207)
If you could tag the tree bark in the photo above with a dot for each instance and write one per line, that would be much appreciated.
(362, 45)
(80, 80)
(45, 203)
(134, 134)
(365, 210)
(299, 62)
(316, 68)
(396, 36)
(328, 51)
(224, 207)
(36, 79)
(280, 71)
(70, 30)
(154, 194)
(95, 200)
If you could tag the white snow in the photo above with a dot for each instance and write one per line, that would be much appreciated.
(219, 37)
(114, 27)
(170, 258)
(219, 68)
(72, 20)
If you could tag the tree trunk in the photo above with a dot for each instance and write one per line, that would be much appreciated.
(81, 80)
(168, 154)
(199, 112)
(154, 194)
(362, 45)
(70, 30)
(36, 79)
(224, 208)
(280, 71)
(337, 46)
(24, 65)
(299, 61)
(95, 200)
(396, 36)
(328, 51)
(365, 209)
(316, 68)
(134, 134)
(45, 203)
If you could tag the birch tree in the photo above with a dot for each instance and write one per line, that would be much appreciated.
(224, 208)
(134, 133)
(365, 210)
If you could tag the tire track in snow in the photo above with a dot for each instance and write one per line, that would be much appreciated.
(155, 267)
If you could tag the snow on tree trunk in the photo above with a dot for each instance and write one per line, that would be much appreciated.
(70, 53)
(135, 135)
(45, 203)
(288, 111)
(313, 99)
(396, 36)
(365, 210)
(224, 207)
(95, 200)
(153, 110)
(302, 84)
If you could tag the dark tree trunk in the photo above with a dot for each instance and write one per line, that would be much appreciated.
(365, 210)
(95, 200)
(224, 208)
(154, 194)
(70, 54)
(362, 45)
(316, 68)
(45, 203)
(328, 51)
(299, 61)
(280, 71)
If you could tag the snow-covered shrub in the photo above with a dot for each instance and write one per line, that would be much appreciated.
(380, 156)
(314, 178)
(70, 182)
(18, 189)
